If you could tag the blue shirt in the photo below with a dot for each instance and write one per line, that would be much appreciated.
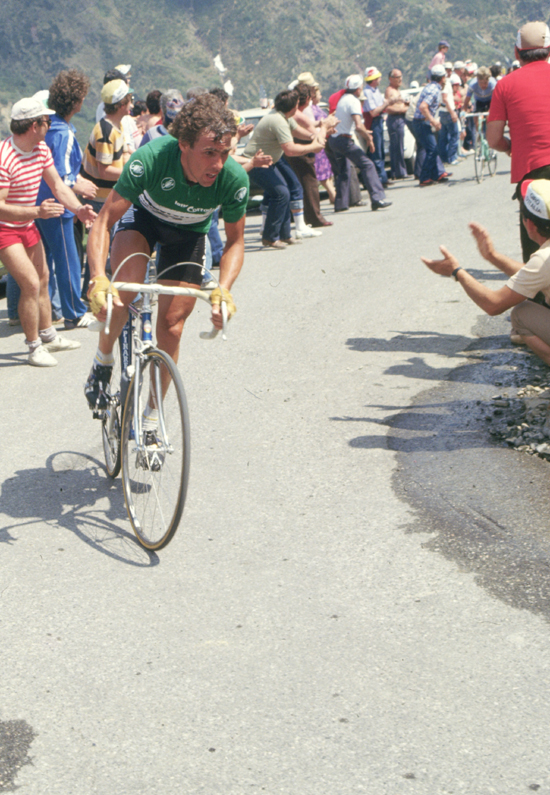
(432, 95)
(373, 98)
(67, 157)
(483, 94)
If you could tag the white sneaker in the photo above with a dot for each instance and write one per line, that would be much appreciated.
(308, 232)
(61, 344)
(41, 358)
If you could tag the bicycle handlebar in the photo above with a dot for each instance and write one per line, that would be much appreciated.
(162, 289)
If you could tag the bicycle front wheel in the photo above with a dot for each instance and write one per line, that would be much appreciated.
(479, 158)
(111, 420)
(155, 450)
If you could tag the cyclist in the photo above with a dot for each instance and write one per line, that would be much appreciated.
(481, 89)
(167, 193)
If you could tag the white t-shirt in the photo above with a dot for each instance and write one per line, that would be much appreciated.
(534, 277)
(347, 107)
(448, 92)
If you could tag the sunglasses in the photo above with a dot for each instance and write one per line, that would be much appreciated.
(47, 121)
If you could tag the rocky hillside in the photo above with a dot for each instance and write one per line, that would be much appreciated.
(172, 43)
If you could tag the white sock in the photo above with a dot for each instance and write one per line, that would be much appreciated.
(104, 359)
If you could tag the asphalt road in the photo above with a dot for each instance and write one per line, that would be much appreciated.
(357, 599)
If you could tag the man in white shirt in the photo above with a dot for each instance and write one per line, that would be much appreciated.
(343, 148)
(528, 288)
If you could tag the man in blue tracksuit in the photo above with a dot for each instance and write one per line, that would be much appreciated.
(67, 92)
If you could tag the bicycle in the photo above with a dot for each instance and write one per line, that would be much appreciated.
(145, 426)
(484, 156)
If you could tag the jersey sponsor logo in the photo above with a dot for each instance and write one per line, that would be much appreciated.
(136, 168)
(168, 183)
(240, 194)
(192, 215)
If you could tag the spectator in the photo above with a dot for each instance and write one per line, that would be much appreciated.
(530, 318)
(304, 165)
(171, 102)
(153, 106)
(373, 107)
(343, 149)
(67, 93)
(431, 169)
(273, 135)
(323, 168)
(439, 57)
(24, 160)
(106, 152)
(517, 101)
(395, 122)
(447, 141)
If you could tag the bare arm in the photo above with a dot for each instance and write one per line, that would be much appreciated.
(496, 138)
(363, 132)
(425, 111)
(294, 150)
(493, 302)
(487, 250)
(98, 241)
(66, 196)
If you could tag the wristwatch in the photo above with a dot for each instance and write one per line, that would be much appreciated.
(453, 274)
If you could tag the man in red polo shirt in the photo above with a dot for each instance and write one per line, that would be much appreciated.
(519, 99)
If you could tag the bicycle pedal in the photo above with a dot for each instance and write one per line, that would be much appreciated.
(98, 414)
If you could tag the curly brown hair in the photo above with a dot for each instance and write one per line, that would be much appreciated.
(202, 114)
(67, 90)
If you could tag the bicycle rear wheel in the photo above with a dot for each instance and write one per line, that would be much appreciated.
(155, 467)
(479, 160)
(111, 420)
(491, 162)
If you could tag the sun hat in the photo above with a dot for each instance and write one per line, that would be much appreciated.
(533, 36)
(448, 65)
(114, 91)
(455, 80)
(536, 197)
(29, 108)
(371, 73)
(307, 77)
(459, 65)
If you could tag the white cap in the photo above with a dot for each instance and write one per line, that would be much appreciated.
(455, 80)
(448, 65)
(459, 65)
(354, 82)
(438, 70)
(124, 68)
(29, 108)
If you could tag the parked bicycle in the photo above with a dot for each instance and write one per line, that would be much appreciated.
(152, 447)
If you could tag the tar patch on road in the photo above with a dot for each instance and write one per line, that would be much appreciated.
(486, 506)
(16, 737)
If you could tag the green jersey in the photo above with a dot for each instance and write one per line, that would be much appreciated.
(153, 179)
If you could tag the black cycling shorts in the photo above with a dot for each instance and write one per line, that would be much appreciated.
(176, 245)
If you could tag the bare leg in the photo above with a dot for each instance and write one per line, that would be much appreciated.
(28, 268)
(124, 244)
(328, 184)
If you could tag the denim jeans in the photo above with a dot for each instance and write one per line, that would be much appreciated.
(432, 166)
(447, 141)
(378, 156)
(281, 192)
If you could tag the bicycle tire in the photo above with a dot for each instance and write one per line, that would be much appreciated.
(111, 420)
(492, 162)
(155, 482)
(479, 158)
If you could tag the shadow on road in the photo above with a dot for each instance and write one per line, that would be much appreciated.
(73, 492)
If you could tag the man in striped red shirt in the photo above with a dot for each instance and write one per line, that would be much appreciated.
(24, 161)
